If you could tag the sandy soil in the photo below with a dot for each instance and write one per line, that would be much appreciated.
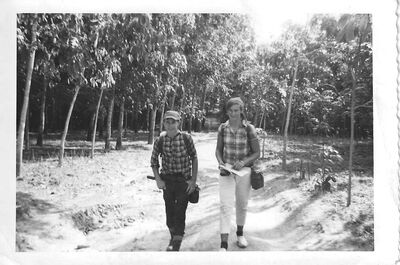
(108, 204)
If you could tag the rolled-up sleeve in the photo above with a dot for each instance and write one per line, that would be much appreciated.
(192, 149)
(252, 134)
(154, 162)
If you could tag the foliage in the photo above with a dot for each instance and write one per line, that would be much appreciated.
(200, 60)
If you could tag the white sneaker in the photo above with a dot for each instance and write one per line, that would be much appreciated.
(242, 242)
(222, 250)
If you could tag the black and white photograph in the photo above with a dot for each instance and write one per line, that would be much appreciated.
(270, 136)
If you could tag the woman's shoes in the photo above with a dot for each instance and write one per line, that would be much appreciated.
(242, 242)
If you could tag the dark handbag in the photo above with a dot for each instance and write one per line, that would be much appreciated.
(256, 179)
(194, 196)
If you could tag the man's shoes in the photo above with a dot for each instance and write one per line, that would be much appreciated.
(222, 250)
(176, 245)
(242, 242)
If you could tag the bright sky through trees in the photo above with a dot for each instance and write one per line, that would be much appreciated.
(269, 25)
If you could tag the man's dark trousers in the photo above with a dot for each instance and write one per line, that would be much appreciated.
(176, 201)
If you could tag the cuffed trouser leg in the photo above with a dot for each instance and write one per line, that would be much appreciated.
(233, 191)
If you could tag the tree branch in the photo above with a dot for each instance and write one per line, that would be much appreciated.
(365, 105)
(330, 86)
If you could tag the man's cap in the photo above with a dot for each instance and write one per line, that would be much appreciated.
(171, 114)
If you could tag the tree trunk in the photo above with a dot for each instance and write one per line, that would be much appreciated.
(27, 140)
(125, 122)
(264, 135)
(148, 117)
(285, 135)
(21, 128)
(262, 119)
(282, 129)
(256, 117)
(323, 162)
(265, 122)
(181, 107)
(39, 140)
(172, 103)
(191, 113)
(53, 112)
(135, 120)
(291, 124)
(64, 135)
(153, 113)
(120, 124)
(203, 97)
(353, 75)
(173, 98)
(89, 133)
(162, 114)
(101, 124)
(294, 129)
(109, 122)
(95, 123)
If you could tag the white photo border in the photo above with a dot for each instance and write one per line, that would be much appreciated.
(385, 72)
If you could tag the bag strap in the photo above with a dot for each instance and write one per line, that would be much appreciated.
(247, 134)
(160, 143)
(186, 140)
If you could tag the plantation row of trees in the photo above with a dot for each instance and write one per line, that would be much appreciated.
(105, 71)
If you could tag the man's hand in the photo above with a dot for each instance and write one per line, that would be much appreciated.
(191, 186)
(160, 184)
(238, 165)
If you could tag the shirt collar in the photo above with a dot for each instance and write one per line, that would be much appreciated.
(244, 123)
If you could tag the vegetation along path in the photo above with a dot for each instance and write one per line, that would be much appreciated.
(107, 203)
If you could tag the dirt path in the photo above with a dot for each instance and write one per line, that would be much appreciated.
(110, 198)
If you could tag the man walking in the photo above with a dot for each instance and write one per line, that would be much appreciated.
(178, 174)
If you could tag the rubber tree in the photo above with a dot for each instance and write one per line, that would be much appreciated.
(76, 60)
(114, 54)
(175, 64)
(354, 30)
(289, 108)
(32, 22)
(160, 65)
(48, 47)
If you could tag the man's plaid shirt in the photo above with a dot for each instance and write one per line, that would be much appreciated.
(236, 144)
(175, 158)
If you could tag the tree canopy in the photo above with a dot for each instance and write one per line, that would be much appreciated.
(190, 62)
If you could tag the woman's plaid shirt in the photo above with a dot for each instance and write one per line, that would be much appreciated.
(236, 144)
(175, 158)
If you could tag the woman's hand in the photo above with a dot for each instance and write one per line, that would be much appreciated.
(161, 184)
(238, 165)
(222, 172)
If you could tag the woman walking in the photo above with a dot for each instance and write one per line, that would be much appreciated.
(237, 146)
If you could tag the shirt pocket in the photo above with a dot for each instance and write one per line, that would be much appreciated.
(179, 150)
